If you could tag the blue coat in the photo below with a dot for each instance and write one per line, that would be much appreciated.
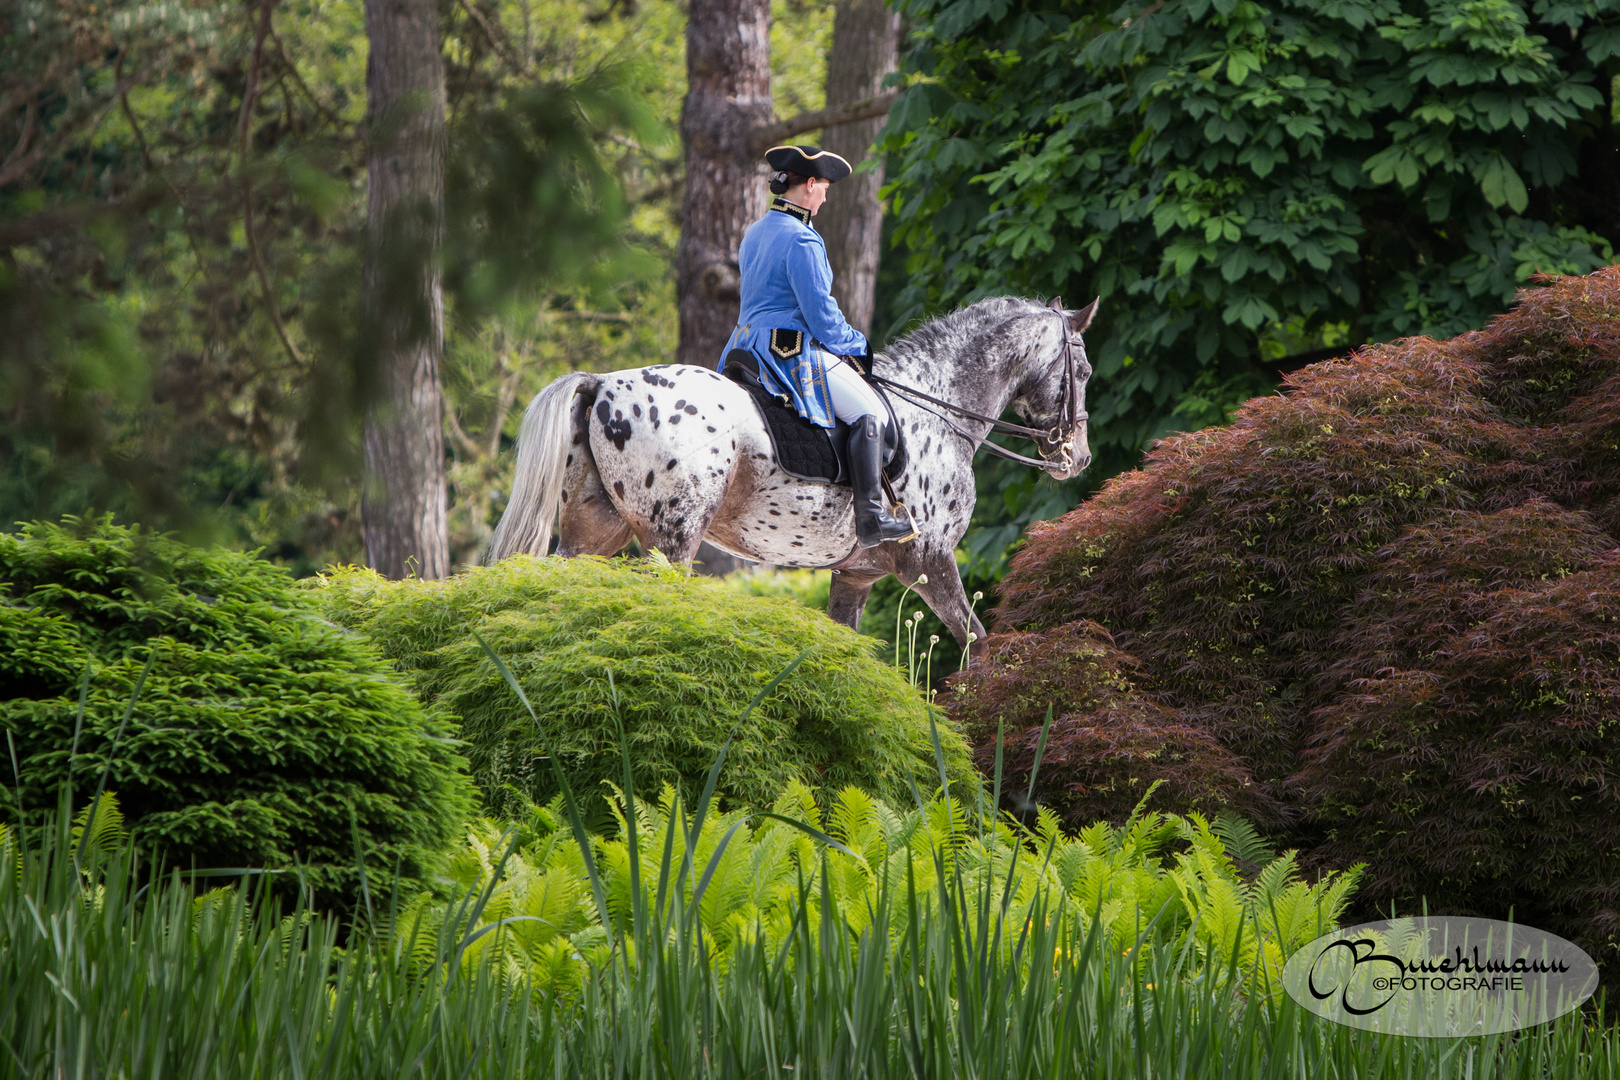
(787, 286)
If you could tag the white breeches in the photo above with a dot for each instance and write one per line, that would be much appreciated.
(852, 396)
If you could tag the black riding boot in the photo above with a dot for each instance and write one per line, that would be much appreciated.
(873, 522)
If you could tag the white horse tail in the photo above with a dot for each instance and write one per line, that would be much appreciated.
(537, 481)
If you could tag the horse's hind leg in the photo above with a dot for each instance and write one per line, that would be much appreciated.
(589, 524)
(846, 599)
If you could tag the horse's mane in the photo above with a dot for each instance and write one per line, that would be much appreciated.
(958, 328)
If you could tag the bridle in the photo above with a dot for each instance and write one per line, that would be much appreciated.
(1070, 414)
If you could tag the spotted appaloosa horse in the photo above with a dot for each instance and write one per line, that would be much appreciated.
(675, 455)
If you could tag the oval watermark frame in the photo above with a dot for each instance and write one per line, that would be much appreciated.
(1440, 977)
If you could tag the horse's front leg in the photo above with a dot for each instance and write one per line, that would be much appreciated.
(846, 600)
(944, 594)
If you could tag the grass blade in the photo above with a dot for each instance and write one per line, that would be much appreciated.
(569, 803)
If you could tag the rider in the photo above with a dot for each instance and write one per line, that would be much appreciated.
(792, 324)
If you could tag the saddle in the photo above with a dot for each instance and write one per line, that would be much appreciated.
(804, 450)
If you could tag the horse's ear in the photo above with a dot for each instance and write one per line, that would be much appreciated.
(1056, 304)
(1082, 318)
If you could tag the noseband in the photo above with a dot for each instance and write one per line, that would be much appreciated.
(1070, 414)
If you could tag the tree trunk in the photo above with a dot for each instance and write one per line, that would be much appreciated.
(403, 500)
(728, 102)
(865, 49)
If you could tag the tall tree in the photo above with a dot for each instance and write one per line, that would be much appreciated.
(403, 501)
(728, 101)
(727, 122)
(865, 47)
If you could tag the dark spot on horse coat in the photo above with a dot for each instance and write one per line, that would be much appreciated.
(691, 410)
(618, 488)
(570, 460)
(649, 478)
(680, 403)
(711, 429)
(675, 419)
(636, 410)
(565, 495)
(657, 509)
(614, 426)
(652, 414)
(672, 463)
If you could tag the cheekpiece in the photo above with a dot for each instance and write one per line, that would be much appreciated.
(808, 161)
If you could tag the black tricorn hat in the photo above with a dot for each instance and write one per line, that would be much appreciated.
(808, 161)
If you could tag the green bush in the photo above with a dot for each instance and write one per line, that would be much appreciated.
(685, 654)
(261, 729)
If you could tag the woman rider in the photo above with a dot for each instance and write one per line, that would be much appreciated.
(791, 323)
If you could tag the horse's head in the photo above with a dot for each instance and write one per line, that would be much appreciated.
(1054, 396)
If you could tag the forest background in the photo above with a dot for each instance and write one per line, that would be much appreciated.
(183, 212)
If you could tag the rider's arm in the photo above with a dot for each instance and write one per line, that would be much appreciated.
(811, 278)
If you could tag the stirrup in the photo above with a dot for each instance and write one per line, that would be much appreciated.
(900, 509)
(906, 522)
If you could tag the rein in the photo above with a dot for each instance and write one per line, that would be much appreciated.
(1070, 415)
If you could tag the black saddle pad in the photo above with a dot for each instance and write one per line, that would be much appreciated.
(804, 450)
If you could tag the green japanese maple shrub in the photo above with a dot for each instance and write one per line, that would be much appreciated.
(671, 658)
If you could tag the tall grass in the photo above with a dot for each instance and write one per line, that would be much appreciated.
(114, 981)
(109, 970)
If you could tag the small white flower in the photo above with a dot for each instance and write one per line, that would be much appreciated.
(917, 615)
(972, 637)
(933, 639)
(922, 579)
(978, 596)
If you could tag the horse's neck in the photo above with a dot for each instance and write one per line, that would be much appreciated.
(984, 385)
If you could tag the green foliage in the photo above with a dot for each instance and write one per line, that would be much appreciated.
(1247, 183)
(676, 659)
(102, 977)
(1380, 614)
(262, 735)
(1173, 879)
(181, 337)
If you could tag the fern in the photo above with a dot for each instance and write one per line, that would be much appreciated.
(1145, 896)
(1243, 842)
(106, 822)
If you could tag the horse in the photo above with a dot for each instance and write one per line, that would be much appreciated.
(676, 454)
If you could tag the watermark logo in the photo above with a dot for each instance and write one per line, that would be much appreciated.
(1440, 977)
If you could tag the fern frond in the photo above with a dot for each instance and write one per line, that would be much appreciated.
(1243, 841)
(107, 828)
